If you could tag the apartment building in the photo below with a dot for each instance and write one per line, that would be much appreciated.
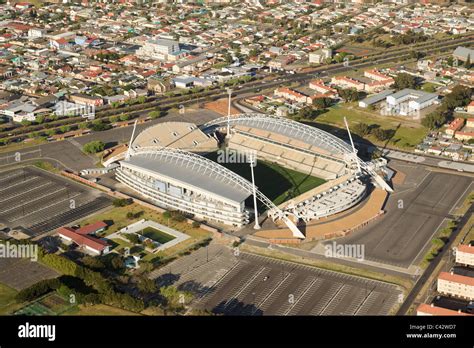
(465, 255)
(456, 285)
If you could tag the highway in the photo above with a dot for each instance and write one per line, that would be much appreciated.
(164, 102)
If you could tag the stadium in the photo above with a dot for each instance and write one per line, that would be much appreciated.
(169, 164)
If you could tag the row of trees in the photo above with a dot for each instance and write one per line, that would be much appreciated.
(459, 96)
(104, 288)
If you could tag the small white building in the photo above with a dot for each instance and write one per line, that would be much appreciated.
(408, 101)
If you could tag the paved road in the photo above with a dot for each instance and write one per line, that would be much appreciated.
(429, 161)
(434, 263)
(69, 154)
(414, 213)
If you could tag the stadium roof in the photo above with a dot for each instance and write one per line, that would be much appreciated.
(192, 170)
(292, 129)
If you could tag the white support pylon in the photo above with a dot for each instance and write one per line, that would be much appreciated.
(252, 162)
(131, 141)
(228, 111)
(359, 170)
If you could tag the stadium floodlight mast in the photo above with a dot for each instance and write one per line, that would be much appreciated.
(252, 162)
(359, 170)
(131, 140)
(229, 91)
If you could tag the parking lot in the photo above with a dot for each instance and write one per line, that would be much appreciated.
(40, 201)
(414, 212)
(247, 284)
(20, 273)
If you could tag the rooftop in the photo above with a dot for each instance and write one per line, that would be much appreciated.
(199, 173)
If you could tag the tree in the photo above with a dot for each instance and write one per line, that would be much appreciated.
(99, 126)
(361, 129)
(155, 114)
(383, 134)
(146, 285)
(122, 202)
(124, 117)
(434, 119)
(349, 94)
(322, 103)
(93, 262)
(307, 113)
(93, 147)
(174, 299)
(133, 238)
(404, 80)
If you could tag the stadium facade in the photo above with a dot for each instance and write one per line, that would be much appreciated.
(164, 165)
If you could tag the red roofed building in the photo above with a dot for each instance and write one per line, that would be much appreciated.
(465, 255)
(347, 82)
(456, 285)
(455, 126)
(319, 86)
(84, 238)
(290, 94)
(426, 309)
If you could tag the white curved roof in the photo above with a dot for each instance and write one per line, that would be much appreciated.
(289, 128)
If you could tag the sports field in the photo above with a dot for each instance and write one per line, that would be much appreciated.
(276, 182)
(156, 235)
(50, 304)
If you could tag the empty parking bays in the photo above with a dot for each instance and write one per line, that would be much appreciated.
(41, 201)
(254, 285)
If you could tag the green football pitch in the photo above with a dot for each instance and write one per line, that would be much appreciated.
(276, 182)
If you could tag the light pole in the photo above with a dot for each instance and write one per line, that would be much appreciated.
(252, 161)
(229, 91)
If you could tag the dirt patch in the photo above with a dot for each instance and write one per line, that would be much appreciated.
(220, 106)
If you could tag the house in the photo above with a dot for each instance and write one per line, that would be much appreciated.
(465, 255)
(158, 86)
(380, 81)
(161, 49)
(455, 126)
(462, 53)
(84, 237)
(456, 285)
(290, 94)
(347, 82)
(87, 100)
(319, 86)
(426, 309)
(320, 56)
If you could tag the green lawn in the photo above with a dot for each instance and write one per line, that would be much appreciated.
(7, 299)
(156, 235)
(277, 183)
(408, 133)
(98, 310)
